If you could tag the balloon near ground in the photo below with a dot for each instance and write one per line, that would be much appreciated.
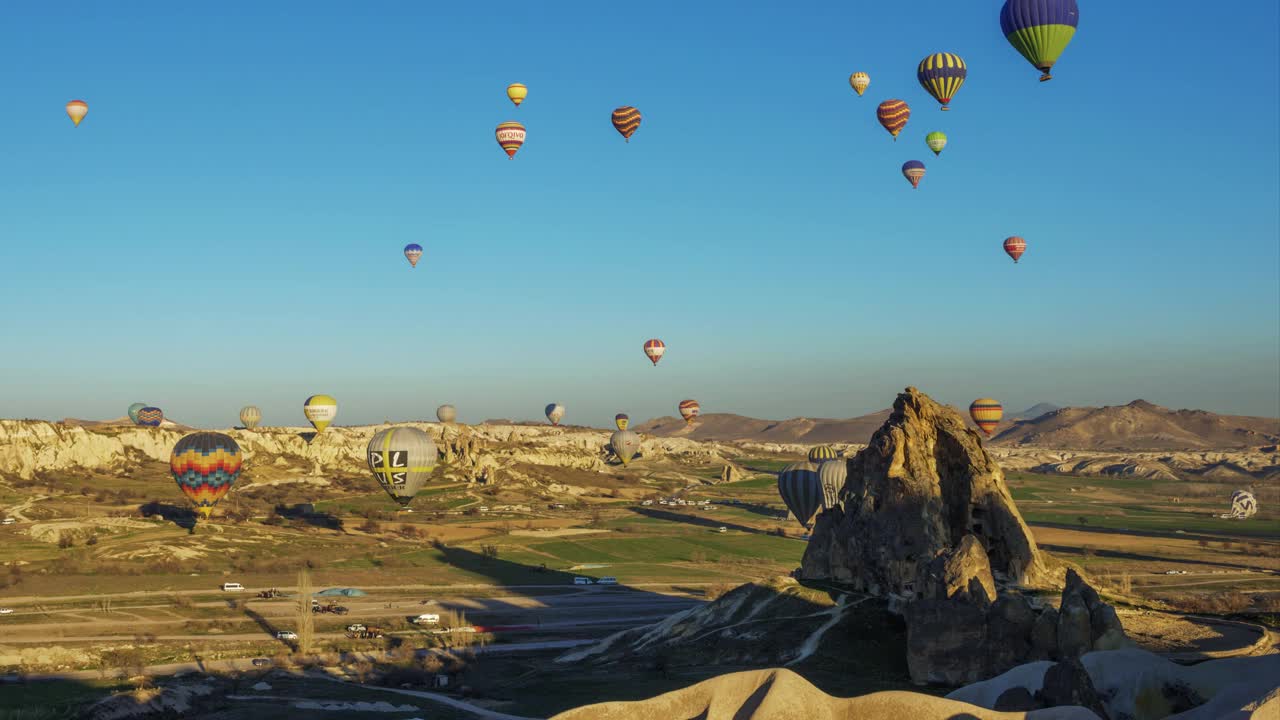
(654, 350)
(1014, 247)
(413, 253)
(941, 75)
(1243, 505)
(893, 116)
(801, 490)
(401, 460)
(859, 81)
(1040, 30)
(625, 444)
(689, 410)
(205, 465)
(250, 416)
(76, 110)
(986, 413)
(517, 92)
(554, 412)
(150, 417)
(320, 411)
(622, 420)
(446, 413)
(133, 411)
(510, 137)
(913, 171)
(936, 142)
(626, 120)
(821, 453)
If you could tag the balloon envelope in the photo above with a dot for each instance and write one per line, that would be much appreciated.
(413, 252)
(986, 413)
(801, 490)
(150, 417)
(517, 92)
(554, 412)
(205, 465)
(913, 171)
(893, 116)
(859, 81)
(1014, 247)
(401, 459)
(1243, 504)
(510, 136)
(626, 120)
(250, 416)
(622, 420)
(689, 410)
(941, 75)
(936, 142)
(1040, 30)
(654, 349)
(133, 411)
(832, 475)
(320, 411)
(76, 110)
(446, 413)
(625, 444)
(821, 453)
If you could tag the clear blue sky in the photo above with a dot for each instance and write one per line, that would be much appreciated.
(226, 225)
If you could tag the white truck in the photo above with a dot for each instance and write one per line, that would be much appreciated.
(427, 619)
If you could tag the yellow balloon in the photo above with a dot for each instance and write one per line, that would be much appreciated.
(517, 92)
(320, 411)
(859, 82)
(76, 110)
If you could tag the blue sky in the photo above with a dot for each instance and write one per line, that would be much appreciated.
(226, 225)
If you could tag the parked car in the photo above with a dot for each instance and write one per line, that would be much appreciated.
(647, 502)
(607, 581)
(6, 611)
(286, 635)
(261, 662)
(8, 521)
(723, 529)
(232, 587)
(581, 581)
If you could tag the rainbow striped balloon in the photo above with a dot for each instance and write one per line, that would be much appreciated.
(893, 115)
(941, 75)
(150, 416)
(626, 120)
(205, 465)
(986, 413)
(510, 136)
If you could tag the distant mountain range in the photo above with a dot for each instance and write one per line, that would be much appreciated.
(1140, 425)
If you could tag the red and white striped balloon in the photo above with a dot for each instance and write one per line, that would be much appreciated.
(655, 349)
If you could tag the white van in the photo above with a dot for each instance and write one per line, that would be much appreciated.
(581, 581)
(232, 587)
(607, 581)
(427, 619)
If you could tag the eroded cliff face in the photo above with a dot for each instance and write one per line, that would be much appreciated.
(922, 484)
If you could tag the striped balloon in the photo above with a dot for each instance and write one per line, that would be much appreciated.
(832, 475)
(626, 120)
(1040, 29)
(510, 136)
(446, 413)
(150, 417)
(133, 411)
(986, 413)
(554, 412)
(413, 252)
(941, 75)
(1243, 504)
(821, 453)
(859, 81)
(801, 490)
(913, 171)
(936, 141)
(655, 349)
(401, 460)
(205, 465)
(689, 410)
(1014, 247)
(517, 92)
(625, 444)
(893, 115)
(250, 416)
(622, 420)
(76, 110)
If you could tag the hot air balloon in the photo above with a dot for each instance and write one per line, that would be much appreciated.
(913, 171)
(555, 411)
(831, 477)
(625, 444)
(517, 92)
(622, 420)
(626, 120)
(821, 453)
(936, 142)
(941, 75)
(986, 413)
(689, 410)
(801, 490)
(76, 110)
(205, 465)
(401, 459)
(893, 115)
(859, 81)
(510, 136)
(1040, 29)
(1015, 246)
(446, 413)
(150, 417)
(320, 411)
(1243, 504)
(250, 416)
(655, 349)
(133, 411)
(413, 251)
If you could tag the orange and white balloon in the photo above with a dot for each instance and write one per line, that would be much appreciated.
(654, 349)
(689, 410)
(76, 110)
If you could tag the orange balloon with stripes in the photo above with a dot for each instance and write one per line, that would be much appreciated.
(986, 414)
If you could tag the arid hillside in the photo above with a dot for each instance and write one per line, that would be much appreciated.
(1141, 425)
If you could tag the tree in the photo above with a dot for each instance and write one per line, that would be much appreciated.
(305, 619)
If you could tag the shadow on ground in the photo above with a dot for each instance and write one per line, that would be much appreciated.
(183, 517)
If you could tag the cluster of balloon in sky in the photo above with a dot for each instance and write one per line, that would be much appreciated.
(206, 465)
